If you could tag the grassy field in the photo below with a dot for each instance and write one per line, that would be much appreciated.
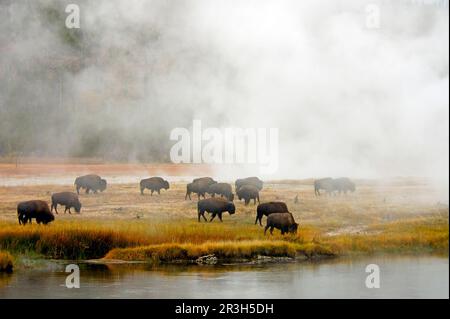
(401, 217)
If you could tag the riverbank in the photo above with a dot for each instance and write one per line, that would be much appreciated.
(397, 218)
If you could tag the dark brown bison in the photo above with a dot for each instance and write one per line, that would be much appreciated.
(90, 182)
(269, 208)
(282, 221)
(199, 187)
(222, 189)
(344, 185)
(67, 199)
(255, 181)
(36, 209)
(215, 206)
(155, 184)
(248, 192)
(326, 184)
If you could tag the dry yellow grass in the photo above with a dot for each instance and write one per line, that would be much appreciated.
(397, 217)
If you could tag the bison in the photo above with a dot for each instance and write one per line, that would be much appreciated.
(90, 182)
(269, 208)
(215, 206)
(67, 199)
(343, 184)
(199, 186)
(248, 192)
(255, 181)
(326, 184)
(37, 209)
(282, 221)
(222, 189)
(155, 184)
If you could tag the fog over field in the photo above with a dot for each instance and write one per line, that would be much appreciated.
(347, 99)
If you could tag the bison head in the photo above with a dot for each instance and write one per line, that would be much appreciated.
(293, 228)
(231, 208)
(231, 197)
(102, 185)
(166, 185)
(77, 207)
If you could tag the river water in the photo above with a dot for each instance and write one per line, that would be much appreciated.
(400, 277)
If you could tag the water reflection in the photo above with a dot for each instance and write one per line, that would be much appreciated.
(401, 277)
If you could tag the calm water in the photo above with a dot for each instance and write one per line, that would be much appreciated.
(400, 277)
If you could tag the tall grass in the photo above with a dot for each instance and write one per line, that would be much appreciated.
(86, 239)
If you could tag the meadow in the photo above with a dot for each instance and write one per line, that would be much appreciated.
(401, 216)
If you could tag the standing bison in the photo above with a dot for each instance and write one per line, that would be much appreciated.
(222, 189)
(36, 209)
(90, 182)
(154, 184)
(248, 192)
(67, 199)
(282, 221)
(215, 206)
(344, 185)
(265, 209)
(254, 181)
(199, 186)
(326, 184)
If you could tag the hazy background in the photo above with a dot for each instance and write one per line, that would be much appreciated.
(347, 99)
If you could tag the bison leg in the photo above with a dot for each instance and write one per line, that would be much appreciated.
(142, 191)
(271, 230)
(213, 216)
(246, 200)
(265, 229)
(159, 192)
(87, 190)
(78, 190)
(220, 217)
(151, 193)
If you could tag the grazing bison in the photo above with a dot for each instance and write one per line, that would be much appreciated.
(155, 184)
(269, 208)
(90, 182)
(67, 199)
(255, 181)
(37, 209)
(282, 221)
(343, 184)
(248, 192)
(326, 184)
(215, 206)
(199, 187)
(222, 189)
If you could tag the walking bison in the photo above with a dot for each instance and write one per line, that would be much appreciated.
(248, 192)
(215, 206)
(199, 186)
(254, 181)
(36, 209)
(67, 199)
(90, 183)
(154, 184)
(265, 209)
(283, 221)
(326, 184)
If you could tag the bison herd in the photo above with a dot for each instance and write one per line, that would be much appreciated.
(247, 189)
